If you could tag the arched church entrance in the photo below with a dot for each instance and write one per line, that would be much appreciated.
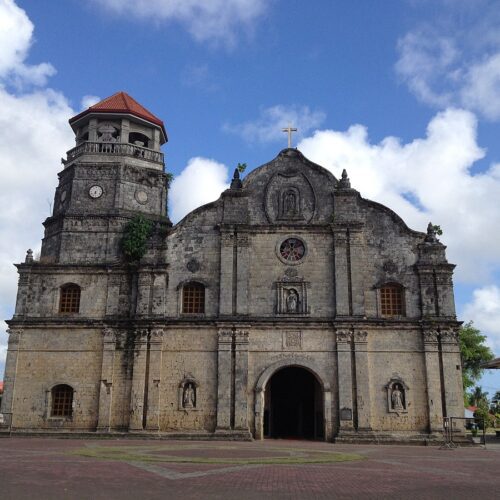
(293, 405)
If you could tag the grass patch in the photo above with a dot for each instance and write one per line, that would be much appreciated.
(149, 454)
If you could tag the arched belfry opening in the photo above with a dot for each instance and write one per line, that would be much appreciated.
(293, 405)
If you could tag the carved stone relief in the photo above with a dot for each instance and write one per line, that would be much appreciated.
(292, 340)
(289, 197)
(344, 336)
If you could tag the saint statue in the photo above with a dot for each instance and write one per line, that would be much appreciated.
(188, 399)
(397, 398)
(292, 301)
(289, 203)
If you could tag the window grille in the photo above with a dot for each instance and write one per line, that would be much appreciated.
(62, 401)
(193, 298)
(70, 299)
(391, 301)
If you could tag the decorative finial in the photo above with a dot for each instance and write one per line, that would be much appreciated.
(431, 234)
(29, 256)
(344, 182)
(236, 182)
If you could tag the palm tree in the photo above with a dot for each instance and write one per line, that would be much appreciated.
(478, 396)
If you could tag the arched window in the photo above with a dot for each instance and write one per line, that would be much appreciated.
(62, 401)
(391, 300)
(193, 298)
(138, 139)
(70, 298)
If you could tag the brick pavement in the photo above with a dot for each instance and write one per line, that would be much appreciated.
(46, 468)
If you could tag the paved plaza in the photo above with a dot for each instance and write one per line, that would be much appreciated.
(47, 468)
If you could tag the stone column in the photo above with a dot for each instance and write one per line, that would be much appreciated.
(241, 381)
(243, 263)
(433, 380)
(452, 374)
(224, 379)
(8, 398)
(106, 385)
(226, 272)
(342, 306)
(93, 130)
(125, 131)
(344, 339)
(138, 382)
(362, 380)
(155, 362)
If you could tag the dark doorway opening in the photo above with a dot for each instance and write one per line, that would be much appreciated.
(293, 405)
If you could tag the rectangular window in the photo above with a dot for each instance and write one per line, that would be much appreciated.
(70, 299)
(391, 301)
(193, 299)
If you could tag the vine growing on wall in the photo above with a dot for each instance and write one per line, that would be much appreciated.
(135, 238)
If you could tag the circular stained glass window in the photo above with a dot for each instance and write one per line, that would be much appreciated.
(292, 250)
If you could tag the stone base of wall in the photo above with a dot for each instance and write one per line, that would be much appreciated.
(230, 435)
(373, 437)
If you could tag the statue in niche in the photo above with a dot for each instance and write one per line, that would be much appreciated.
(292, 301)
(289, 203)
(397, 398)
(189, 396)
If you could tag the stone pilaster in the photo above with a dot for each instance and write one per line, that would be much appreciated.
(243, 264)
(224, 379)
(241, 381)
(362, 380)
(452, 373)
(138, 382)
(8, 398)
(106, 386)
(144, 284)
(226, 306)
(356, 269)
(154, 379)
(344, 363)
(433, 380)
(342, 306)
(444, 287)
(113, 295)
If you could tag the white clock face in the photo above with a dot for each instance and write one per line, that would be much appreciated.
(95, 191)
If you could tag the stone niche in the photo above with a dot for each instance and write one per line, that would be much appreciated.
(289, 198)
(291, 295)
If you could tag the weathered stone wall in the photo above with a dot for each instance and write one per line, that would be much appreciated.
(131, 353)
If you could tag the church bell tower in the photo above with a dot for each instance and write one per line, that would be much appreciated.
(115, 171)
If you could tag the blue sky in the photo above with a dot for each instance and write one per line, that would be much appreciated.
(405, 94)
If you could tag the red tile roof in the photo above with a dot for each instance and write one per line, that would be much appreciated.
(121, 102)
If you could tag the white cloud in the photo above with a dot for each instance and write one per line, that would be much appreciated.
(484, 310)
(215, 20)
(35, 132)
(268, 127)
(201, 181)
(435, 171)
(455, 60)
(88, 100)
(16, 31)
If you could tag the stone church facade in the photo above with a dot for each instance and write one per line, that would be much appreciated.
(291, 306)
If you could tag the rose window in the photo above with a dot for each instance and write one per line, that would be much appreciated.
(292, 250)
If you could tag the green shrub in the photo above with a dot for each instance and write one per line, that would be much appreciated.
(135, 238)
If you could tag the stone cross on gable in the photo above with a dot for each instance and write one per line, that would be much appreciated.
(289, 131)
